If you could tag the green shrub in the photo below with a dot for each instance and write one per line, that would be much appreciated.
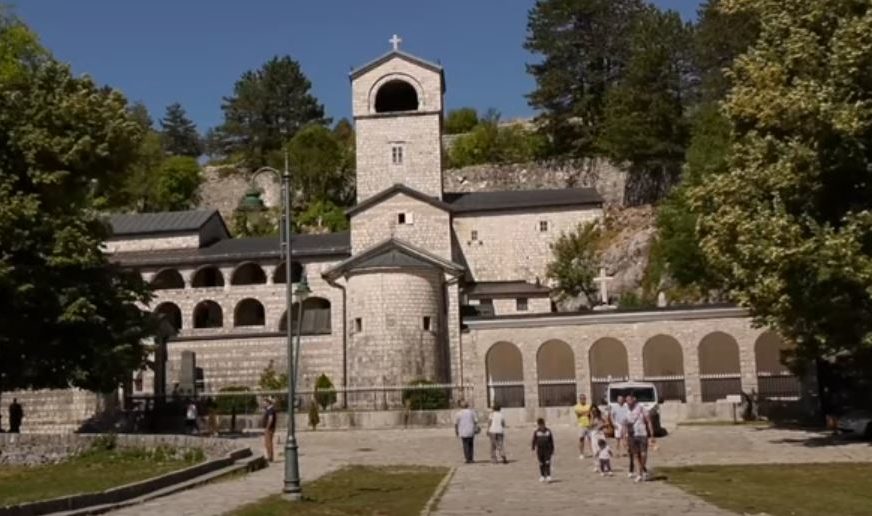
(105, 442)
(239, 404)
(314, 417)
(325, 394)
(434, 398)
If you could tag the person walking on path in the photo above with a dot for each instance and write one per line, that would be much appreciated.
(582, 414)
(543, 447)
(191, 418)
(16, 415)
(604, 456)
(618, 416)
(496, 430)
(269, 428)
(639, 431)
(465, 427)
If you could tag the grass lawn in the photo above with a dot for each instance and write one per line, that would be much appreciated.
(91, 472)
(780, 489)
(358, 490)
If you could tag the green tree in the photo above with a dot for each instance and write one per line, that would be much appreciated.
(267, 107)
(67, 317)
(718, 38)
(325, 393)
(177, 185)
(20, 51)
(584, 47)
(492, 142)
(460, 120)
(322, 217)
(576, 262)
(320, 165)
(788, 225)
(179, 133)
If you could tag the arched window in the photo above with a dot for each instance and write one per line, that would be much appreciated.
(663, 365)
(555, 366)
(249, 312)
(280, 275)
(316, 317)
(171, 313)
(396, 95)
(208, 276)
(608, 363)
(248, 274)
(719, 367)
(774, 379)
(167, 279)
(208, 314)
(504, 367)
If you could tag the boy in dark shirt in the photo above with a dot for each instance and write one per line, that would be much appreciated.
(543, 445)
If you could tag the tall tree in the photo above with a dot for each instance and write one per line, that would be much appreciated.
(584, 47)
(319, 162)
(67, 317)
(461, 120)
(268, 107)
(179, 133)
(575, 263)
(788, 226)
(176, 185)
(719, 37)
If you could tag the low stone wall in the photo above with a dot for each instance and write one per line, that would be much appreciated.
(35, 449)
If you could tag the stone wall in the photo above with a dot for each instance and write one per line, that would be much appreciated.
(224, 186)
(427, 226)
(55, 410)
(153, 243)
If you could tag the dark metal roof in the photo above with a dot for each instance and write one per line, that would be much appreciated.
(163, 222)
(505, 289)
(521, 199)
(393, 190)
(393, 253)
(357, 72)
(595, 314)
(330, 244)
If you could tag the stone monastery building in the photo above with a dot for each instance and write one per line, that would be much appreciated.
(428, 284)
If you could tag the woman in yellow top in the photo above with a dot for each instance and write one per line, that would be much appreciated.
(582, 413)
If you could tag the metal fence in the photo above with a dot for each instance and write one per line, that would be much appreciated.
(714, 387)
(669, 388)
(505, 394)
(599, 386)
(778, 386)
(557, 393)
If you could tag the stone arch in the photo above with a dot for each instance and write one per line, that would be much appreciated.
(280, 274)
(608, 363)
(208, 314)
(774, 379)
(316, 317)
(207, 276)
(167, 279)
(171, 313)
(663, 365)
(504, 368)
(396, 95)
(248, 273)
(555, 371)
(249, 312)
(720, 371)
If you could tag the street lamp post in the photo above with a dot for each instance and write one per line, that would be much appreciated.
(253, 202)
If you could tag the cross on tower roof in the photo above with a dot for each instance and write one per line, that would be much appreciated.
(395, 41)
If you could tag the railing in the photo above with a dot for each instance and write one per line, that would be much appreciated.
(557, 393)
(505, 394)
(669, 388)
(778, 386)
(714, 387)
(599, 386)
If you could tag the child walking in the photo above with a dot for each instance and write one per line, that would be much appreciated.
(543, 446)
(605, 458)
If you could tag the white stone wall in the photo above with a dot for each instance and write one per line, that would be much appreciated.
(510, 245)
(393, 348)
(509, 305)
(426, 82)
(152, 243)
(427, 227)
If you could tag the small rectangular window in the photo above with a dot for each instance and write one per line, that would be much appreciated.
(521, 304)
(543, 225)
(401, 218)
(473, 235)
(358, 325)
(426, 323)
(397, 155)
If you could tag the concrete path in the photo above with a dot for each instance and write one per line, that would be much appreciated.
(513, 489)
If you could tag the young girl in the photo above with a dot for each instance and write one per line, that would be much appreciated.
(605, 458)
(543, 447)
(597, 424)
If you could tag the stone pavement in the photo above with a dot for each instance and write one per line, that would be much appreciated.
(513, 489)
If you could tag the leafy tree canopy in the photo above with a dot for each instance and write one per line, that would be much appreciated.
(460, 120)
(492, 142)
(576, 262)
(321, 165)
(177, 184)
(179, 133)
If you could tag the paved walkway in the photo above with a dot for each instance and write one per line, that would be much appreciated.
(513, 489)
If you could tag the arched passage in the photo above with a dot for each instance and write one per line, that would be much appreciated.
(316, 317)
(249, 312)
(774, 379)
(663, 365)
(555, 370)
(167, 279)
(608, 363)
(171, 313)
(248, 274)
(280, 275)
(396, 95)
(209, 276)
(720, 372)
(208, 314)
(504, 367)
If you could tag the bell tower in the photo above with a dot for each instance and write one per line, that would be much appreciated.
(397, 108)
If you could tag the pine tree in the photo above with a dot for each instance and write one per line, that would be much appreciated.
(179, 134)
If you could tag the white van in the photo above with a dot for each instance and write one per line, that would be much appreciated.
(646, 394)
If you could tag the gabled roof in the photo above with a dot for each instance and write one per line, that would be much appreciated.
(357, 72)
(124, 225)
(393, 190)
(505, 289)
(393, 254)
(522, 199)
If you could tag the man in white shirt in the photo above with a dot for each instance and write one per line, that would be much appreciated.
(639, 431)
(465, 426)
(496, 430)
(618, 416)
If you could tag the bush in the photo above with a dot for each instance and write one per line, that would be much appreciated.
(325, 394)
(314, 418)
(434, 398)
(238, 404)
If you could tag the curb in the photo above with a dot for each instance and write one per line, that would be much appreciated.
(437, 494)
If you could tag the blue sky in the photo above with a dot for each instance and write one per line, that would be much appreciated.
(192, 51)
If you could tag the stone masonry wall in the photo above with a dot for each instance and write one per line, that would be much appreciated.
(427, 226)
(155, 243)
(52, 411)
